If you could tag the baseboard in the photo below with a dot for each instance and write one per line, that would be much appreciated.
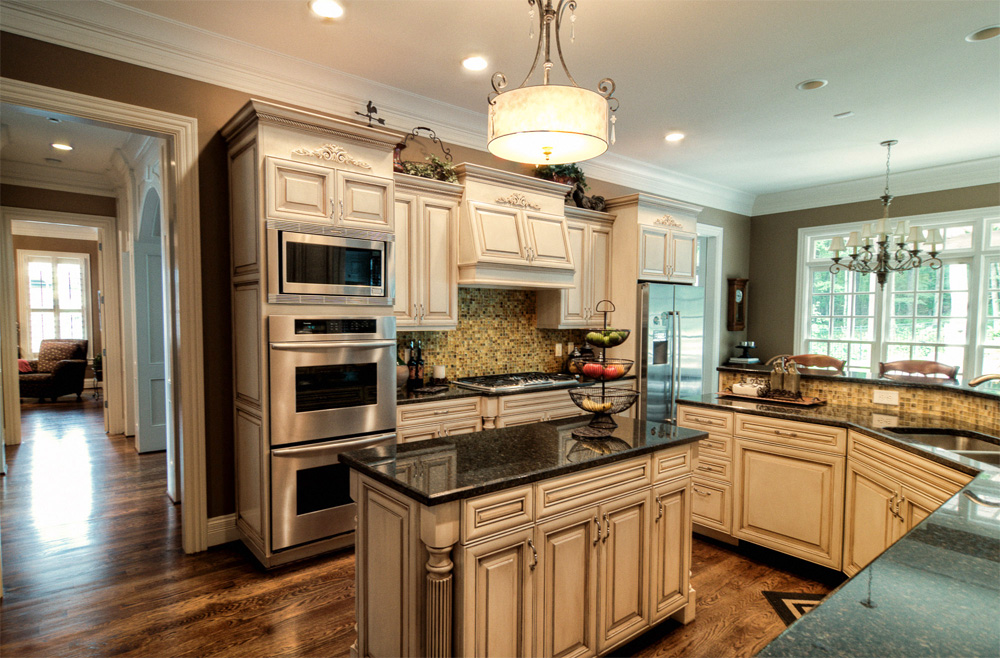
(222, 529)
(707, 532)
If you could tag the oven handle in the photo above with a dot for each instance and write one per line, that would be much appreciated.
(329, 345)
(336, 446)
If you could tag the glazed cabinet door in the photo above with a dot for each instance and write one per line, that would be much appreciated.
(574, 300)
(499, 234)
(547, 241)
(408, 258)
(598, 274)
(439, 264)
(683, 250)
(567, 585)
(498, 579)
(870, 521)
(914, 506)
(298, 191)
(623, 570)
(791, 500)
(670, 558)
(364, 202)
(653, 263)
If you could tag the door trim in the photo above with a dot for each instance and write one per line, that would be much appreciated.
(184, 230)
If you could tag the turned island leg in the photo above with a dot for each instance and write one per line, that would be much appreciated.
(439, 533)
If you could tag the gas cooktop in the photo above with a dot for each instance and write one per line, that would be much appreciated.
(520, 381)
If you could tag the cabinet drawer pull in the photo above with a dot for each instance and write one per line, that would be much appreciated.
(442, 412)
(711, 444)
(597, 524)
(706, 421)
(709, 469)
(607, 527)
(902, 499)
(534, 555)
(700, 492)
(659, 508)
(791, 435)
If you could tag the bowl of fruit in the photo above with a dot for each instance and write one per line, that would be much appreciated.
(604, 370)
(603, 403)
(607, 337)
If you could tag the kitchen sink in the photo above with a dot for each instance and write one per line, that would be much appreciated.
(952, 441)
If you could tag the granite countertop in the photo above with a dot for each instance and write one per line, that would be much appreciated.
(867, 421)
(492, 460)
(935, 592)
(455, 392)
(988, 389)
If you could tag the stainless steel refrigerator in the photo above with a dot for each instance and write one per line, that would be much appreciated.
(670, 347)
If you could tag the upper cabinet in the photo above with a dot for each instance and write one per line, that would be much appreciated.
(426, 214)
(512, 231)
(590, 242)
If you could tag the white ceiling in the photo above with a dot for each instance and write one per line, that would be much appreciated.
(723, 71)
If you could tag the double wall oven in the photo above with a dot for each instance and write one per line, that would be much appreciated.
(332, 390)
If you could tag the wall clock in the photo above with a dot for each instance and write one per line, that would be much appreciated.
(736, 309)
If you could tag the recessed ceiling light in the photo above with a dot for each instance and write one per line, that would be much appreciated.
(674, 136)
(809, 85)
(983, 34)
(61, 147)
(843, 115)
(327, 8)
(474, 63)
(53, 160)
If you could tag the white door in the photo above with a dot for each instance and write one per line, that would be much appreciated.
(151, 384)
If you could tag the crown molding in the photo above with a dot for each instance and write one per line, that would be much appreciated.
(918, 181)
(112, 30)
(46, 177)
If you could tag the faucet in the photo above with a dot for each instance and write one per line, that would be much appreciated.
(982, 378)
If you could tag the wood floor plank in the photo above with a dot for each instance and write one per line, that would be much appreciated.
(93, 567)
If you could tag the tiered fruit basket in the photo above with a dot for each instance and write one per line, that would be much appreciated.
(603, 402)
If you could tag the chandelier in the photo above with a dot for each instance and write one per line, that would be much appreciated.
(547, 123)
(879, 250)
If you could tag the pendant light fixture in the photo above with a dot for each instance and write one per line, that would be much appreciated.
(879, 250)
(548, 123)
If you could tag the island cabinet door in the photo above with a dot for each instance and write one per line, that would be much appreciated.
(498, 578)
(791, 500)
(870, 522)
(566, 580)
(914, 506)
(623, 570)
(670, 565)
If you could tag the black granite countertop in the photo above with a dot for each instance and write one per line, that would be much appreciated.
(492, 460)
(935, 592)
(455, 392)
(989, 389)
(869, 422)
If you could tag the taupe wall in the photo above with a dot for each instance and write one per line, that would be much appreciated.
(17, 196)
(63, 245)
(774, 241)
(62, 68)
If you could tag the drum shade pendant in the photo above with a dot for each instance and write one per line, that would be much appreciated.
(547, 123)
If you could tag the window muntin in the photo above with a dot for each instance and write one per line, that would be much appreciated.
(54, 297)
(928, 314)
(991, 311)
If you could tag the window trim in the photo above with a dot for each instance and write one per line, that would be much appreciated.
(982, 219)
(24, 292)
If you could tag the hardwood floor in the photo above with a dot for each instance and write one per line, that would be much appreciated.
(93, 567)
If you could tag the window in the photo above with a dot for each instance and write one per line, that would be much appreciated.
(54, 297)
(951, 314)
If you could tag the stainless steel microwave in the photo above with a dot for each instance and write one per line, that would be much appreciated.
(317, 264)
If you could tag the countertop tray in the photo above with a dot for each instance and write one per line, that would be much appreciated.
(800, 402)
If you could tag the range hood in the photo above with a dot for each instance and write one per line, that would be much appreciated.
(512, 231)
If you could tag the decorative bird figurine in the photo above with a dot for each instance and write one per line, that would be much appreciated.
(372, 111)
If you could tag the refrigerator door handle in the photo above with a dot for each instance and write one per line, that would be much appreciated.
(675, 371)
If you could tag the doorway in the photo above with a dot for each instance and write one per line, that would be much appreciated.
(181, 224)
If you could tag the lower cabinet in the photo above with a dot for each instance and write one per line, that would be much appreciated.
(623, 570)
(804, 516)
(670, 563)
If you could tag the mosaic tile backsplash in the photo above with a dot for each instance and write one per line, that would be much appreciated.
(496, 334)
(944, 404)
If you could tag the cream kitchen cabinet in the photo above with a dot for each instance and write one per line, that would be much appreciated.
(789, 487)
(670, 556)
(512, 236)
(668, 255)
(623, 570)
(889, 491)
(524, 408)
(429, 420)
(302, 191)
(590, 239)
(712, 481)
(426, 220)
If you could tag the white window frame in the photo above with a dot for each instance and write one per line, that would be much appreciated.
(24, 301)
(982, 220)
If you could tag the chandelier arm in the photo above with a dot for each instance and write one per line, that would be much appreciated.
(499, 82)
(563, 6)
(542, 30)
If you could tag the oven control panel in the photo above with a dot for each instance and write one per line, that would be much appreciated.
(335, 326)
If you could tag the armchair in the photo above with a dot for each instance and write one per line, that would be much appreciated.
(58, 370)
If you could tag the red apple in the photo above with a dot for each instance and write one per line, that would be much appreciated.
(593, 370)
(610, 372)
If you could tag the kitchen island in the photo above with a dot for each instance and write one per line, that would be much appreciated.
(523, 540)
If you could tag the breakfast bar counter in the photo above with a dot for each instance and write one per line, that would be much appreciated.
(523, 540)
